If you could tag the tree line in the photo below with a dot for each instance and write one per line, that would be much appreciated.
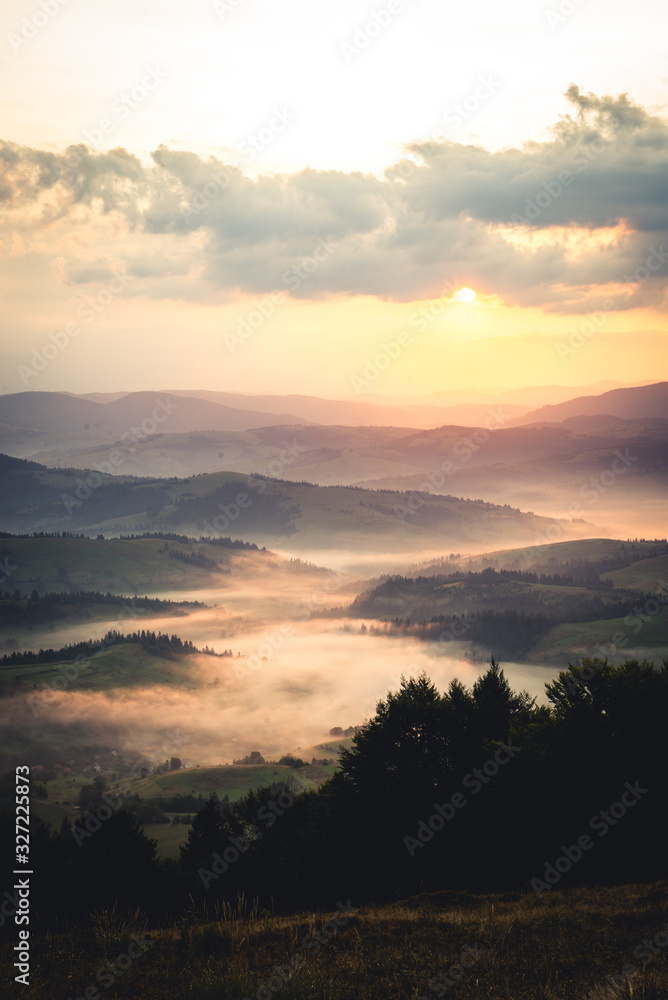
(158, 643)
(18, 608)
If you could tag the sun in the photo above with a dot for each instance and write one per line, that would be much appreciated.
(465, 295)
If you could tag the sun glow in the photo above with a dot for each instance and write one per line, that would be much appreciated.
(465, 295)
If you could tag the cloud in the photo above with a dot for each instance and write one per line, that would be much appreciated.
(446, 212)
(614, 152)
(57, 266)
(17, 249)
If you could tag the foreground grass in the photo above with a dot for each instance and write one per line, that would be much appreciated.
(561, 946)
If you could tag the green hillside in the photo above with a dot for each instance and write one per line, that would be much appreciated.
(232, 780)
(341, 517)
(646, 575)
(616, 638)
(429, 596)
(261, 510)
(121, 565)
(540, 604)
(51, 620)
(589, 549)
(127, 665)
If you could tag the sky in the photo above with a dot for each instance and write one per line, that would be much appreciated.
(259, 197)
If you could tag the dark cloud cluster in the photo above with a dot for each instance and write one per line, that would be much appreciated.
(614, 152)
(440, 214)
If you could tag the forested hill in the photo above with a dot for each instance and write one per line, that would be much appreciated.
(510, 611)
(158, 643)
(262, 510)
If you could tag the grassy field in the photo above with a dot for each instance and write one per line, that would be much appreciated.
(169, 838)
(51, 813)
(125, 665)
(483, 592)
(232, 780)
(591, 549)
(582, 638)
(480, 593)
(334, 516)
(648, 575)
(511, 946)
(129, 566)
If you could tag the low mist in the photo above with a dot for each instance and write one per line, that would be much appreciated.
(294, 681)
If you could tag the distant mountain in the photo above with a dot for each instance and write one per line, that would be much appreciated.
(458, 407)
(52, 411)
(611, 470)
(528, 396)
(353, 413)
(96, 418)
(189, 414)
(545, 468)
(100, 416)
(647, 401)
(150, 411)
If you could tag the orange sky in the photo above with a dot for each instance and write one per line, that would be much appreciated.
(307, 232)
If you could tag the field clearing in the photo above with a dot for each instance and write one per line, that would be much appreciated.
(591, 549)
(581, 639)
(233, 780)
(51, 813)
(648, 575)
(138, 566)
(550, 592)
(169, 837)
(124, 665)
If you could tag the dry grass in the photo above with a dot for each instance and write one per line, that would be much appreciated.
(561, 947)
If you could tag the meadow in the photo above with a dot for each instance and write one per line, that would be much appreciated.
(581, 943)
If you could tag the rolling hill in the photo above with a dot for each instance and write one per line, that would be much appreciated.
(646, 401)
(311, 517)
(540, 467)
(374, 409)
(54, 427)
(540, 605)
(56, 412)
(124, 565)
(30, 620)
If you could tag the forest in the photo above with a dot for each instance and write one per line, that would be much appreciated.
(476, 789)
